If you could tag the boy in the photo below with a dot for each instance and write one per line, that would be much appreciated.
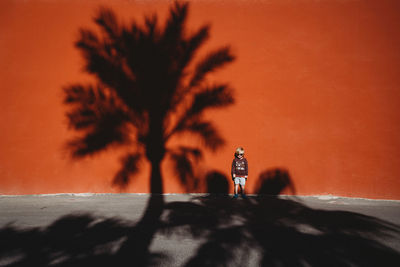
(239, 171)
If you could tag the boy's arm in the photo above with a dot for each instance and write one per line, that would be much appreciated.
(246, 166)
(233, 174)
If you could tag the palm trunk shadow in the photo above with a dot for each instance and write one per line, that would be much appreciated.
(135, 250)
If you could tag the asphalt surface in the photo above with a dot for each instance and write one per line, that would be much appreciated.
(201, 230)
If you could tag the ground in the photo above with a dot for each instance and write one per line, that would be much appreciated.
(199, 230)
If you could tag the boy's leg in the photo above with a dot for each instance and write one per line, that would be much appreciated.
(236, 191)
(243, 191)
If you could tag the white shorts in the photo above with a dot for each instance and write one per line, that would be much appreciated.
(240, 180)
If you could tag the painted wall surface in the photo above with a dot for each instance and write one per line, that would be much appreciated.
(317, 94)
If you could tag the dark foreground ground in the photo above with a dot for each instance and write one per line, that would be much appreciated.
(200, 230)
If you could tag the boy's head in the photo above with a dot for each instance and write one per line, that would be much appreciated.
(239, 152)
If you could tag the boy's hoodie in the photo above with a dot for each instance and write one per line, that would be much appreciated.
(239, 167)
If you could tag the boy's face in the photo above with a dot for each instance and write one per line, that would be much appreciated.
(240, 155)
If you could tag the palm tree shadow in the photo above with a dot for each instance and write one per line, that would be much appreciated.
(149, 88)
(75, 240)
(271, 231)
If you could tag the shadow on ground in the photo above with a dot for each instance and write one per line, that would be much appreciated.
(278, 232)
(283, 232)
(258, 231)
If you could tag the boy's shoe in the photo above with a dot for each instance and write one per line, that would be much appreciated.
(235, 196)
(244, 196)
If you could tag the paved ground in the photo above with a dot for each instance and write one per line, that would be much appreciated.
(200, 230)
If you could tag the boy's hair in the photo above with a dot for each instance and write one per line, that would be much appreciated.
(239, 150)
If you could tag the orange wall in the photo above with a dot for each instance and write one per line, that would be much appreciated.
(317, 86)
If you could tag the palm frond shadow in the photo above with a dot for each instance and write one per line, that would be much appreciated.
(73, 240)
(279, 232)
(81, 239)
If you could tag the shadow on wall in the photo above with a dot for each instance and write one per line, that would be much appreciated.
(150, 88)
(270, 182)
(217, 183)
(275, 181)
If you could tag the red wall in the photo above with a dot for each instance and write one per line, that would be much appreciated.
(317, 88)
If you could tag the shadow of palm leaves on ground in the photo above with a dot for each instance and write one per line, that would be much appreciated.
(279, 232)
(276, 231)
(259, 231)
(72, 240)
